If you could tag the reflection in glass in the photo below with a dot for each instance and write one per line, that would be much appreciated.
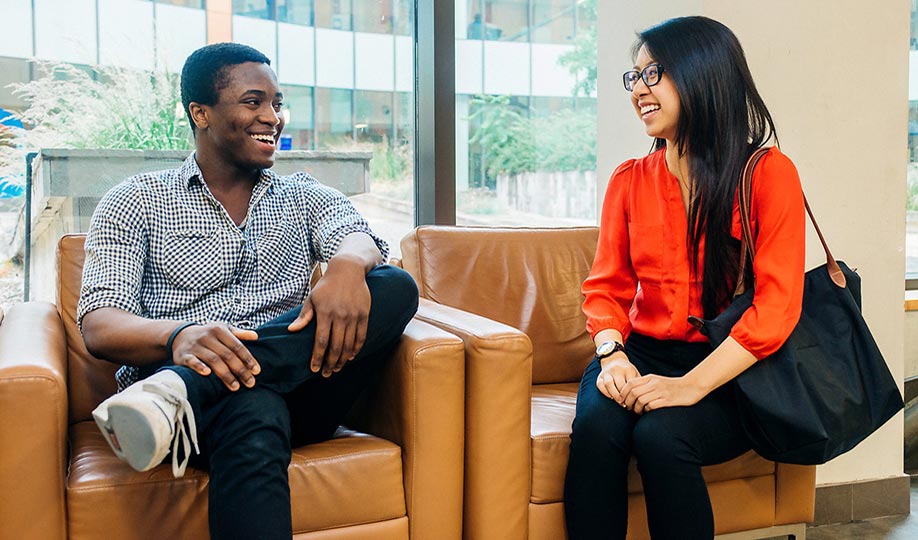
(404, 115)
(505, 20)
(334, 128)
(374, 16)
(184, 3)
(291, 11)
(529, 160)
(911, 200)
(295, 11)
(373, 117)
(298, 103)
(334, 14)
(261, 9)
(404, 17)
(552, 21)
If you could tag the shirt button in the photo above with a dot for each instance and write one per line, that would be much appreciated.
(237, 300)
(244, 324)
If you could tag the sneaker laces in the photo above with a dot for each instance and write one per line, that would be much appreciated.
(181, 438)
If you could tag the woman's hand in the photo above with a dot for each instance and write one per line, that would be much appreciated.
(615, 374)
(651, 392)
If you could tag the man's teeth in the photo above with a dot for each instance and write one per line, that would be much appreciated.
(265, 138)
(649, 108)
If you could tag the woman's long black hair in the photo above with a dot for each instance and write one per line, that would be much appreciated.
(721, 122)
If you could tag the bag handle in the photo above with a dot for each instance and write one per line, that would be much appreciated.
(747, 245)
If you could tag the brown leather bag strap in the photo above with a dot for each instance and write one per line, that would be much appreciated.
(747, 244)
(744, 193)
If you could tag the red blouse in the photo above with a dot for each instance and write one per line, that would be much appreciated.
(642, 279)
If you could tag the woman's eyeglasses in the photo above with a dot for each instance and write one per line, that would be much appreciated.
(652, 73)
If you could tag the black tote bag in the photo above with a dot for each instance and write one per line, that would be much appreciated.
(828, 387)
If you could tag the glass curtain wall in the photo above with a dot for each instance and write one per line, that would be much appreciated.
(526, 112)
(911, 237)
(346, 70)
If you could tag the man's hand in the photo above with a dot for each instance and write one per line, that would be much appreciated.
(217, 348)
(652, 392)
(617, 370)
(340, 304)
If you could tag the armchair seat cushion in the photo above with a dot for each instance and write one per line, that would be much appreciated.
(553, 407)
(108, 499)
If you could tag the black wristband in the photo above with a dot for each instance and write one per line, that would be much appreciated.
(175, 333)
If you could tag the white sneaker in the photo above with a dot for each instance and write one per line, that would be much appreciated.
(142, 420)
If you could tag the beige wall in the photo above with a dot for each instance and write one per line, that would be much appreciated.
(846, 132)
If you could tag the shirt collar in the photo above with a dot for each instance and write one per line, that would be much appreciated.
(190, 174)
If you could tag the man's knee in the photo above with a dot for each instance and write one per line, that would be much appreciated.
(395, 288)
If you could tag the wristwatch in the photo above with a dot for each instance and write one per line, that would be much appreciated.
(608, 348)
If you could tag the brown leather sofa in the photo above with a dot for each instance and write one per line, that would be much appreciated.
(59, 479)
(513, 295)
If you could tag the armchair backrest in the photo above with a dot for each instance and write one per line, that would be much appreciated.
(526, 278)
(89, 380)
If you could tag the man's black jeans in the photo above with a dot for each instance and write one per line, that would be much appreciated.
(246, 436)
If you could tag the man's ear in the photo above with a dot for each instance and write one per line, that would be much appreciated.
(199, 114)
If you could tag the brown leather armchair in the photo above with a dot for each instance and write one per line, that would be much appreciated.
(513, 295)
(59, 479)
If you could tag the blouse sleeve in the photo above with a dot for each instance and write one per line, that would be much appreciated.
(780, 256)
(611, 285)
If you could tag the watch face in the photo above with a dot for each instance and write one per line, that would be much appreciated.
(605, 348)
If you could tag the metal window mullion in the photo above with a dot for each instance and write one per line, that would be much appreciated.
(435, 108)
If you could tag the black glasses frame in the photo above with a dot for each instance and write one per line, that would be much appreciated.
(642, 74)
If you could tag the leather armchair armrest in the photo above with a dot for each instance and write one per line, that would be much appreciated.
(795, 493)
(498, 417)
(419, 405)
(33, 416)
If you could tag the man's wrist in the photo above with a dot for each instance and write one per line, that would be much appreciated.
(175, 332)
(350, 262)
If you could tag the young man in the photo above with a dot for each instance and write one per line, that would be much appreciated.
(197, 281)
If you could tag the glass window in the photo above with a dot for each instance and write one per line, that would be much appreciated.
(507, 20)
(531, 160)
(552, 21)
(261, 9)
(404, 118)
(373, 117)
(404, 17)
(291, 11)
(375, 16)
(911, 226)
(546, 106)
(185, 3)
(299, 110)
(12, 71)
(481, 23)
(334, 128)
(336, 14)
(385, 16)
(295, 11)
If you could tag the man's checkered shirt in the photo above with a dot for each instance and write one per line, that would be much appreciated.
(162, 247)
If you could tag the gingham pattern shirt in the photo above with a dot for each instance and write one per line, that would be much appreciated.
(161, 246)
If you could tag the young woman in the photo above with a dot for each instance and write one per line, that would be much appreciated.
(669, 248)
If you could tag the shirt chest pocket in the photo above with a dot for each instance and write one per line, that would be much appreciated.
(281, 254)
(200, 259)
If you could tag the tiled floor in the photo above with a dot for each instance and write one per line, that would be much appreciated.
(891, 528)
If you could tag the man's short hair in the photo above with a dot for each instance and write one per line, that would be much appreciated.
(205, 72)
